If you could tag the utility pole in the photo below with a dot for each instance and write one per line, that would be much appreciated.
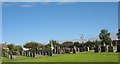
(82, 38)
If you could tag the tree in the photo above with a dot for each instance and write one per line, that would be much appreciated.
(118, 34)
(118, 43)
(11, 47)
(55, 43)
(33, 46)
(77, 44)
(67, 44)
(17, 48)
(105, 37)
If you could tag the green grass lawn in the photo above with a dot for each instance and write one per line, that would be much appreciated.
(78, 57)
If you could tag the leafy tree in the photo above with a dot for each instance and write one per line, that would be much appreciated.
(118, 34)
(11, 47)
(47, 47)
(67, 44)
(55, 43)
(77, 44)
(114, 42)
(17, 48)
(105, 37)
(33, 45)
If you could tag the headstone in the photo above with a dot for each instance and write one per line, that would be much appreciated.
(110, 49)
(74, 50)
(67, 50)
(96, 49)
(51, 53)
(114, 48)
(63, 50)
(58, 50)
(118, 46)
(80, 49)
(77, 49)
(86, 48)
(44, 53)
(33, 53)
(29, 54)
(10, 56)
(103, 49)
(71, 49)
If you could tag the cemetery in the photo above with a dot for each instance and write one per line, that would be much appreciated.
(103, 50)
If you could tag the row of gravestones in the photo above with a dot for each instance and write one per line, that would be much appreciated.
(76, 49)
(35, 53)
(8, 55)
(107, 49)
(54, 51)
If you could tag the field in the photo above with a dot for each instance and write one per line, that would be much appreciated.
(78, 57)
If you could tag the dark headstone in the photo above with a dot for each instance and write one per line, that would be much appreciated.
(77, 49)
(30, 54)
(48, 53)
(74, 51)
(51, 53)
(86, 48)
(67, 51)
(118, 46)
(10, 56)
(81, 49)
(96, 49)
(110, 49)
(33, 54)
(44, 53)
(20, 52)
(103, 49)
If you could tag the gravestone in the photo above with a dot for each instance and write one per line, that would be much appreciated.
(50, 53)
(77, 49)
(81, 49)
(74, 50)
(96, 49)
(86, 48)
(67, 50)
(58, 50)
(31, 54)
(118, 46)
(53, 51)
(27, 53)
(20, 52)
(103, 48)
(63, 50)
(10, 56)
(71, 49)
(114, 48)
(41, 52)
(110, 49)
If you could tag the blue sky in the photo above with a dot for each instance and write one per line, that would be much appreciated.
(60, 0)
(41, 22)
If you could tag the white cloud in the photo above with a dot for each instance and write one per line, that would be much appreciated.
(25, 5)
(61, 0)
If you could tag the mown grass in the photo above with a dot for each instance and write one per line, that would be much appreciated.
(79, 57)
